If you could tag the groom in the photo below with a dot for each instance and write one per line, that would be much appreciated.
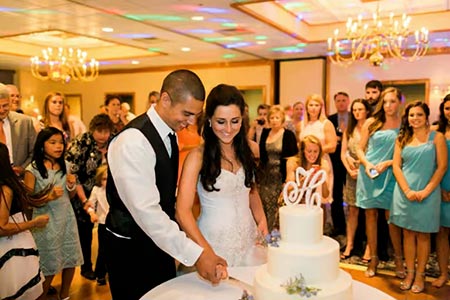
(142, 236)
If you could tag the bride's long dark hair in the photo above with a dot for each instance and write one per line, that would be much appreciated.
(224, 95)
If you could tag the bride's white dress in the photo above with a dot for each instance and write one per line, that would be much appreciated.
(227, 223)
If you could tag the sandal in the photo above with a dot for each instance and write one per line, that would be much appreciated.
(400, 269)
(372, 267)
(440, 281)
(406, 284)
(416, 288)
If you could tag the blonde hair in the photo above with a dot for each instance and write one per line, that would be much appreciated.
(302, 161)
(101, 170)
(277, 109)
(316, 98)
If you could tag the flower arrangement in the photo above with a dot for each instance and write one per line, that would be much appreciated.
(246, 296)
(272, 238)
(298, 286)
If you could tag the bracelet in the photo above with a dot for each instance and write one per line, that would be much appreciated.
(71, 189)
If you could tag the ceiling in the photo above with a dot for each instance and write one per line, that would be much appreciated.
(154, 33)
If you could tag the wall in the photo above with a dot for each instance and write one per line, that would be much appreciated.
(352, 79)
(141, 84)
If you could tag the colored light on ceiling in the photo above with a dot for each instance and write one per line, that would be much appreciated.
(238, 45)
(223, 39)
(260, 37)
(201, 31)
(288, 49)
(212, 10)
(154, 49)
(134, 35)
(166, 18)
(229, 55)
(233, 25)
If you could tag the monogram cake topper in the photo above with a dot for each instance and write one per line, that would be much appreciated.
(293, 191)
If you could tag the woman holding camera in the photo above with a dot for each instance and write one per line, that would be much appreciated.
(375, 182)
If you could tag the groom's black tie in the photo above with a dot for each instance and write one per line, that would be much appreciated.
(174, 155)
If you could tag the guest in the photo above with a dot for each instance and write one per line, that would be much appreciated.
(126, 111)
(141, 231)
(297, 113)
(222, 172)
(277, 144)
(112, 106)
(58, 243)
(54, 115)
(77, 125)
(97, 199)
(442, 238)
(340, 121)
(316, 123)
(85, 154)
(417, 195)
(310, 156)
(153, 97)
(375, 182)
(360, 111)
(14, 97)
(16, 132)
(20, 275)
(373, 91)
(256, 127)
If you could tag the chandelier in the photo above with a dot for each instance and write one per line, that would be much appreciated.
(377, 39)
(64, 65)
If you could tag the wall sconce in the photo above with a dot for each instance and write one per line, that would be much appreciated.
(441, 90)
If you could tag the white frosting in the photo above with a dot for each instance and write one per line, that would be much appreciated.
(317, 263)
(268, 288)
(300, 224)
(303, 249)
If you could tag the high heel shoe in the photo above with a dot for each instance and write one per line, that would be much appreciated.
(399, 265)
(416, 288)
(372, 267)
(406, 284)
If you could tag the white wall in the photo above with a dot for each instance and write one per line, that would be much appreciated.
(353, 78)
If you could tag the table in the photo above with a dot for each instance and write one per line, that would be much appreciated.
(192, 287)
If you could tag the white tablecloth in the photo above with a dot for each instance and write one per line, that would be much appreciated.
(192, 287)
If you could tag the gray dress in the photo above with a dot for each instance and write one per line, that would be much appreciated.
(58, 242)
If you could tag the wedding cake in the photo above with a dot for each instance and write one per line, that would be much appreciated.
(303, 263)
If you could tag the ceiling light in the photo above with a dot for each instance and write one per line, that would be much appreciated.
(376, 39)
(185, 49)
(107, 29)
(135, 62)
(64, 65)
(197, 18)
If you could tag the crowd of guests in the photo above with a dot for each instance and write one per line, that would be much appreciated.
(60, 179)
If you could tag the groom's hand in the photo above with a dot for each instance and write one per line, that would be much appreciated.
(207, 265)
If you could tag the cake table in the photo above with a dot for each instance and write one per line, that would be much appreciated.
(192, 287)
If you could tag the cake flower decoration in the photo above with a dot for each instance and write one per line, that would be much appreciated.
(298, 286)
(293, 191)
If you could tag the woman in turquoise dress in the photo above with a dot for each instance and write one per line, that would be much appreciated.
(375, 182)
(420, 161)
(442, 244)
(58, 243)
(416, 205)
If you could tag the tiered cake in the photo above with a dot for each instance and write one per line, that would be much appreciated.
(303, 250)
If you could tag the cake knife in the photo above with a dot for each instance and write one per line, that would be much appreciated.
(240, 284)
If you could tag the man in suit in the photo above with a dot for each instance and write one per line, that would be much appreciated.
(142, 236)
(340, 121)
(17, 132)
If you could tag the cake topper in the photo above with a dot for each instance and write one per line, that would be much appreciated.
(293, 192)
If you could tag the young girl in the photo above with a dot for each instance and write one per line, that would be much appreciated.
(98, 208)
(310, 156)
(58, 242)
(20, 275)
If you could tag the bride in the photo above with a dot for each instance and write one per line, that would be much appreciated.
(221, 171)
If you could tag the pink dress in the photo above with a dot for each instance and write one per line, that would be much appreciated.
(317, 128)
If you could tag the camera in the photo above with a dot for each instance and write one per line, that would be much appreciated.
(261, 121)
(373, 173)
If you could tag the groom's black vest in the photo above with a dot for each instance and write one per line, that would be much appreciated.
(119, 219)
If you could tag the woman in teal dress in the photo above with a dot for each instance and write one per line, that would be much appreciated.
(420, 161)
(58, 243)
(442, 244)
(375, 182)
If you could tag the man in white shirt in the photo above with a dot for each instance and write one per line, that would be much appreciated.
(142, 236)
